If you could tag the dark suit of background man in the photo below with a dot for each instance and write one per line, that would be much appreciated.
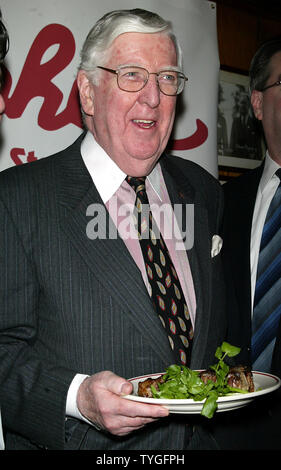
(76, 318)
(247, 200)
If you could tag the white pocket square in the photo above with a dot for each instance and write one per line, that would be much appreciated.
(216, 245)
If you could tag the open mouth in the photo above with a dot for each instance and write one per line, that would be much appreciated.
(144, 124)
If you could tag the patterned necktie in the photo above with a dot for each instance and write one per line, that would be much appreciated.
(164, 286)
(267, 301)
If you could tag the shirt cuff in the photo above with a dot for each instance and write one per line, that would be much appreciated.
(2, 445)
(71, 401)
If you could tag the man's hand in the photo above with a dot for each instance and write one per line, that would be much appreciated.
(100, 400)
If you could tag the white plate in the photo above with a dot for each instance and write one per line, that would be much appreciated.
(264, 383)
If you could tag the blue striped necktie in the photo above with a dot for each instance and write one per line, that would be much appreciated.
(267, 301)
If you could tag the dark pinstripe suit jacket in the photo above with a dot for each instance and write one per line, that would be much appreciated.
(70, 304)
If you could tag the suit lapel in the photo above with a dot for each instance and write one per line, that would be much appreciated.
(248, 197)
(116, 269)
(241, 203)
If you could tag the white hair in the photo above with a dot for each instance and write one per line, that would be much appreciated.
(96, 46)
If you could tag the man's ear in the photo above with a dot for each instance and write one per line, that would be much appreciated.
(257, 103)
(86, 93)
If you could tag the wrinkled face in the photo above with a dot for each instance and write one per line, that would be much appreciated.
(267, 108)
(133, 128)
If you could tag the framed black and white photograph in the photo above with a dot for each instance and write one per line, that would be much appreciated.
(239, 136)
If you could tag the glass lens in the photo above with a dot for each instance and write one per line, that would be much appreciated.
(170, 82)
(132, 78)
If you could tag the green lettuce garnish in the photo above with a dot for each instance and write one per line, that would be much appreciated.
(180, 382)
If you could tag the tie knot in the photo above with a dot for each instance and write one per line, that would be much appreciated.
(137, 183)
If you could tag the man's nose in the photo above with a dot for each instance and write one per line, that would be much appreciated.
(150, 94)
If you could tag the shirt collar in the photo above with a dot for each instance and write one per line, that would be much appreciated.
(106, 175)
(270, 167)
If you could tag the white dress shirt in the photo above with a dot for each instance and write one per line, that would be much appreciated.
(266, 190)
(110, 182)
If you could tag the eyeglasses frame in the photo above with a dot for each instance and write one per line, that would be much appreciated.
(272, 85)
(116, 72)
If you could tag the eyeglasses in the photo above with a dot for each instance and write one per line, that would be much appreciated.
(132, 79)
(273, 84)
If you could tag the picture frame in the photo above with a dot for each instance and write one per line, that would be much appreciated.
(239, 136)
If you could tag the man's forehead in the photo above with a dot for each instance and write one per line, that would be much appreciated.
(135, 43)
(275, 64)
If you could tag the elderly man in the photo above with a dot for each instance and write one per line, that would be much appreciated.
(81, 312)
